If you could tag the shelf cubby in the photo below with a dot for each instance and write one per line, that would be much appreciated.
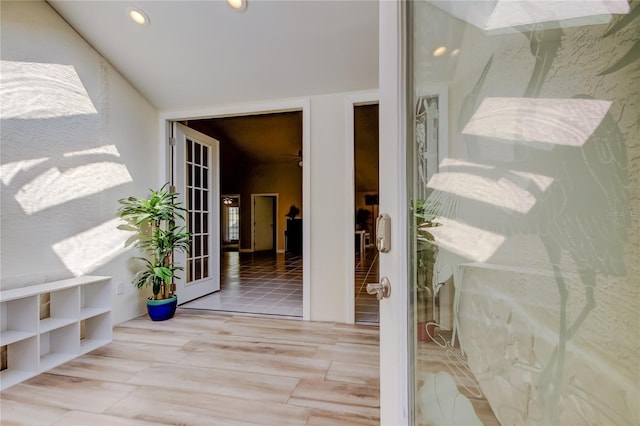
(95, 299)
(58, 346)
(22, 362)
(97, 332)
(18, 320)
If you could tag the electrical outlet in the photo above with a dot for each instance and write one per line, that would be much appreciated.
(120, 288)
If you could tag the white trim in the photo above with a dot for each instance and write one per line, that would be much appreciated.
(253, 218)
(367, 98)
(303, 104)
(306, 210)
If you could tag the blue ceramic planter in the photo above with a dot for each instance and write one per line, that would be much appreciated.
(160, 310)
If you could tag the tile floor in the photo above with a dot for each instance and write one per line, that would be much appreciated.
(367, 306)
(271, 284)
(259, 283)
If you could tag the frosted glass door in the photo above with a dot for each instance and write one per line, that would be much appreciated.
(526, 230)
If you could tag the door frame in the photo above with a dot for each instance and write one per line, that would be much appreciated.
(275, 106)
(275, 196)
(367, 98)
(396, 406)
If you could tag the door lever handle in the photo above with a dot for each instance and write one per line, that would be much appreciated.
(381, 290)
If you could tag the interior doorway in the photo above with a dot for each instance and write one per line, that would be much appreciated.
(263, 221)
(261, 166)
(366, 186)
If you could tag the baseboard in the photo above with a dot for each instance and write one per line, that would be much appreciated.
(245, 250)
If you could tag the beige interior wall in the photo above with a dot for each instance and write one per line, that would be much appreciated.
(282, 179)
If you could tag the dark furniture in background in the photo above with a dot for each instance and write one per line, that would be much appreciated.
(293, 236)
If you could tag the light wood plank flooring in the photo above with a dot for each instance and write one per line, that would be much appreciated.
(208, 368)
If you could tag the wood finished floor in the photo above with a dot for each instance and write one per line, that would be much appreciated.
(208, 368)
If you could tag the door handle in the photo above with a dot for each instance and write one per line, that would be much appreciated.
(381, 290)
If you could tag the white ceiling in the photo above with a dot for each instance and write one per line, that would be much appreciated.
(203, 53)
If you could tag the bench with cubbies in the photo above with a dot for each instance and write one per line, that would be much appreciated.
(77, 320)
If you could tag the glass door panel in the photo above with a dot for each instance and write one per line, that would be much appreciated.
(525, 224)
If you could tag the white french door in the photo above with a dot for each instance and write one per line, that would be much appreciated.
(196, 178)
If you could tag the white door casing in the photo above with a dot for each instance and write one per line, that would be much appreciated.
(368, 98)
(197, 181)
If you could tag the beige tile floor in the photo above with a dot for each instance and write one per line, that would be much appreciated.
(367, 309)
(209, 368)
(271, 284)
(259, 283)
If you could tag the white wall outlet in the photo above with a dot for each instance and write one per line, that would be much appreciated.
(120, 287)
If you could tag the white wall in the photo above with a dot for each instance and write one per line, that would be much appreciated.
(75, 138)
(329, 260)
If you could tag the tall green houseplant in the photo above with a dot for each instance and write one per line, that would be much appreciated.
(154, 221)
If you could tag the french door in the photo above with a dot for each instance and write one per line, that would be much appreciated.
(196, 178)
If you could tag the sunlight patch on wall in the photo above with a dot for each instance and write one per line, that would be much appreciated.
(544, 123)
(34, 90)
(101, 150)
(10, 170)
(56, 186)
(88, 250)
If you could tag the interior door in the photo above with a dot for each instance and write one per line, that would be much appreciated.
(263, 222)
(196, 178)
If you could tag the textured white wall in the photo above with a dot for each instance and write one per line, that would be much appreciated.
(545, 203)
(75, 138)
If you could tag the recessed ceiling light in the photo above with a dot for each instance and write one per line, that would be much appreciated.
(439, 51)
(239, 5)
(138, 16)
(455, 52)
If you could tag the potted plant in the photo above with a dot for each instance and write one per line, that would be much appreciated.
(154, 221)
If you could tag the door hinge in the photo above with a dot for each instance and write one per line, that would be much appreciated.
(172, 141)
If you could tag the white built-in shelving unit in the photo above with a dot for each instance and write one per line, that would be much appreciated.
(36, 345)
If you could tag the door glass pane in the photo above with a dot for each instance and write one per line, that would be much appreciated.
(198, 211)
(525, 216)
